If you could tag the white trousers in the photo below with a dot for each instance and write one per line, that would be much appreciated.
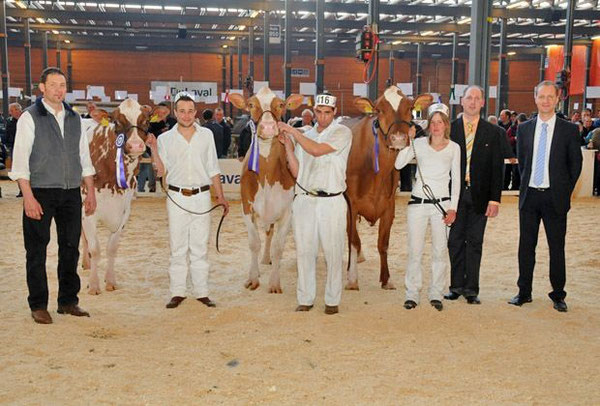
(188, 234)
(418, 217)
(319, 221)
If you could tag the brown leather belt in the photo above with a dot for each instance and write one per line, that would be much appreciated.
(189, 192)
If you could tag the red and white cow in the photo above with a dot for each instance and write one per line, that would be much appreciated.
(267, 195)
(113, 201)
(372, 195)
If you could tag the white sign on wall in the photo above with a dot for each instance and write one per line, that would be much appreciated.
(360, 89)
(258, 84)
(407, 88)
(204, 92)
(274, 34)
(593, 92)
(308, 89)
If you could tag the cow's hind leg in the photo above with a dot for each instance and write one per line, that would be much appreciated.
(281, 231)
(385, 225)
(352, 282)
(91, 233)
(266, 258)
(254, 243)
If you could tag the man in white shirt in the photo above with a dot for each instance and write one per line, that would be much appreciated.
(550, 163)
(50, 158)
(319, 210)
(187, 157)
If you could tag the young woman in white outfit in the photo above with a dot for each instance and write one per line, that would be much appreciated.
(438, 159)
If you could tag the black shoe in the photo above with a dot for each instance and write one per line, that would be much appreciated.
(560, 305)
(519, 300)
(304, 308)
(437, 304)
(451, 295)
(175, 301)
(206, 302)
(473, 300)
(331, 309)
(410, 304)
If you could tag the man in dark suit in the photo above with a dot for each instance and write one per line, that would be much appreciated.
(550, 163)
(481, 171)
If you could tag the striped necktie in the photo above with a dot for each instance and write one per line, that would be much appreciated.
(540, 159)
(469, 140)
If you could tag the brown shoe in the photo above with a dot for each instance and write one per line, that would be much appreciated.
(175, 301)
(303, 308)
(41, 316)
(331, 309)
(73, 310)
(207, 302)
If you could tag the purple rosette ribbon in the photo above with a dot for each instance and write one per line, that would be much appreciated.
(375, 147)
(120, 161)
(254, 154)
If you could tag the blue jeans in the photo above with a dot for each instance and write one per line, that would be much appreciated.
(146, 174)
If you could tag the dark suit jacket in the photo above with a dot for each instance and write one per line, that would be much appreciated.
(565, 161)
(486, 162)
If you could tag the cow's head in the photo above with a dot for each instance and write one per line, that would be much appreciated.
(266, 109)
(130, 119)
(393, 112)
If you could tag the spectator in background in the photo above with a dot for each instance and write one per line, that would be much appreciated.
(217, 130)
(492, 120)
(511, 135)
(504, 119)
(307, 119)
(244, 141)
(220, 120)
(160, 122)
(576, 117)
(91, 106)
(587, 126)
(14, 112)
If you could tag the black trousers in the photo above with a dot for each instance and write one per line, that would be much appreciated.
(64, 206)
(465, 244)
(539, 206)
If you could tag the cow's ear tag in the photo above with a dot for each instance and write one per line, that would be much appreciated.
(154, 118)
(104, 122)
(368, 109)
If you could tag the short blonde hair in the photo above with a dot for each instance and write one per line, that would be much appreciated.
(445, 120)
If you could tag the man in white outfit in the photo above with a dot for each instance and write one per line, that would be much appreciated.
(319, 210)
(187, 156)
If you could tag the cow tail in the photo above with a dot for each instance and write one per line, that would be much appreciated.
(351, 225)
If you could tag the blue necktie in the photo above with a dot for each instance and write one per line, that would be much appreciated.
(540, 160)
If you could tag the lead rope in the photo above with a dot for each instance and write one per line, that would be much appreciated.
(166, 189)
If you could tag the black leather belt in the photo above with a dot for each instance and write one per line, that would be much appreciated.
(320, 193)
(418, 200)
(539, 189)
(189, 192)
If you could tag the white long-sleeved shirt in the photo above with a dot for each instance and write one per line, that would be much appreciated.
(25, 137)
(437, 167)
(189, 165)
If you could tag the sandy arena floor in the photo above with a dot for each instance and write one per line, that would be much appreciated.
(253, 349)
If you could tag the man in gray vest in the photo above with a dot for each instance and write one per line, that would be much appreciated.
(50, 157)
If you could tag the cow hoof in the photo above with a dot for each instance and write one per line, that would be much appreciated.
(361, 258)
(110, 287)
(388, 286)
(266, 262)
(252, 285)
(275, 289)
(352, 286)
(94, 291)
